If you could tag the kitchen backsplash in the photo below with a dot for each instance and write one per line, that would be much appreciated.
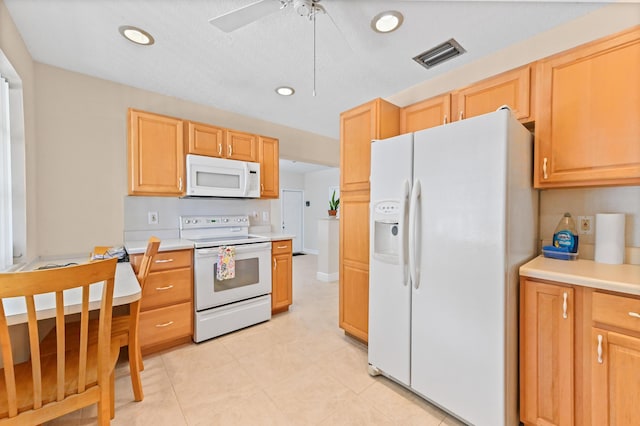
(169, 210)
(588, 202)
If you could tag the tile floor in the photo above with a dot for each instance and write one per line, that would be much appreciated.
(297, 369)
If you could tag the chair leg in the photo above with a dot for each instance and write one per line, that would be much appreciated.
(105, 403)
(134, 370)
(112, 396)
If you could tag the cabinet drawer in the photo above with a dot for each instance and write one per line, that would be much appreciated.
(165, 260)
(618, 311)
(165, 324)
(281, 247)
(167, 288)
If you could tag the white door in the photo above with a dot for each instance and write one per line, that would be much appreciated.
(389, 283)
(292, 209)
(458, 299)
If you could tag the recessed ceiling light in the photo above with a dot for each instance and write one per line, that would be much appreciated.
(136, 35)
(386, 22)
(285, 91)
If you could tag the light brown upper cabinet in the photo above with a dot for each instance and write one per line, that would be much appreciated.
(241, 146)
(204, 139)
(376, 119)
(512, 88)
(155, 154)
(588, 115)
(425, 114)
(269, 167)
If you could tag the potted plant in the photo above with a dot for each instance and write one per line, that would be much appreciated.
(333, 204)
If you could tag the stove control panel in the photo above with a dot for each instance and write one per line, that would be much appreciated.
(195, 222)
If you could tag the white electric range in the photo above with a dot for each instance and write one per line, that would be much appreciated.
(225, 305)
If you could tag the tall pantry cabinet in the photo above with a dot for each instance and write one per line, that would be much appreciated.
(377, 119)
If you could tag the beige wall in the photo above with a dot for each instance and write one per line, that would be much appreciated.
(82, 157)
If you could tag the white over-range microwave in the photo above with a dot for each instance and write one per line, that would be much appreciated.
(221, 177)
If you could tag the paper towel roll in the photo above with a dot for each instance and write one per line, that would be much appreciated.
(610, 238)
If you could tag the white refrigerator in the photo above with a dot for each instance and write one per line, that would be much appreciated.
(453, 216)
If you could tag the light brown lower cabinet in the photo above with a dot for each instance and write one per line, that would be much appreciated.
(615, 360)
(579, 355)
(281, 275)
(166, 310)
(546, 353)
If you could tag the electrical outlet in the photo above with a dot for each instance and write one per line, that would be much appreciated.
(585, 225)
(152, 218)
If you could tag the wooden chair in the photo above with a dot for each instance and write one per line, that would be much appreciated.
(49, 386)
(125, 327)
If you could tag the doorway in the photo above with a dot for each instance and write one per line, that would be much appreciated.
(292, 216)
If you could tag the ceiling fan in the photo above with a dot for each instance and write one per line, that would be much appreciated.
(245, 15)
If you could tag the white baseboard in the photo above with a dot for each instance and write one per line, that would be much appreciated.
(322, 276)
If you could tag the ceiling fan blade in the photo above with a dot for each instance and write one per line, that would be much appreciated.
(238, 18)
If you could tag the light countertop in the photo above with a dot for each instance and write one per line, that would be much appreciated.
(137, 247)
(623, 278)
(276, 236)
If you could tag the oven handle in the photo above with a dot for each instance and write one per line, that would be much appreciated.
(242, 248)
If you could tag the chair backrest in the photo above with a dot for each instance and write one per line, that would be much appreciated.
(47, 383)
(145, 264)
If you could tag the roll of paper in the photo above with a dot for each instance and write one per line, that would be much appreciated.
(610, 238)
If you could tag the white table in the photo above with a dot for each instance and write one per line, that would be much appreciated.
(126, 290)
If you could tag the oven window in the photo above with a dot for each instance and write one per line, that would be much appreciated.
(247, 273)
(217, 180)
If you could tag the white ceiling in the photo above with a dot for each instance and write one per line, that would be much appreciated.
(238, 71)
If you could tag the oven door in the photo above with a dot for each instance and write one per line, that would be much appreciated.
(252, 275)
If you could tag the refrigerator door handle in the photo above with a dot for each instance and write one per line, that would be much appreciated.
(413, 270)
(406, 193)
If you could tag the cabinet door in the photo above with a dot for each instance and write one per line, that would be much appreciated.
(281, 271)
(269, 167)
(587, 123)
(203, 139)
(425, 114)
(546, 354)
(156, 154)
(615, 387)
(358, 127)
(241, 146)
(354, 265)
(512, 88)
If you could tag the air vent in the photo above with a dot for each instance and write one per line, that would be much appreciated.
(432, 57)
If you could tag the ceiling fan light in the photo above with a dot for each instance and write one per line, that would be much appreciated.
(387, 22)
(285, 91)
(136, 35)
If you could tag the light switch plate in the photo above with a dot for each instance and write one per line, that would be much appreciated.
(585, 225)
